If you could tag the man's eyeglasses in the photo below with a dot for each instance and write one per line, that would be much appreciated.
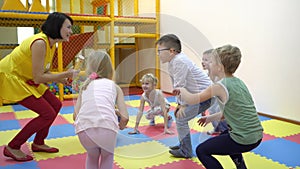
(159, 50)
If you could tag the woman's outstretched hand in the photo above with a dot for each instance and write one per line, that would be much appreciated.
(72, 73)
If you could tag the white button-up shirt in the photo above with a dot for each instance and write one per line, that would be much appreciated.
(185, 73)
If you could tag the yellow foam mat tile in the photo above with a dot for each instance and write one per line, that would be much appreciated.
(25, 114)
(6, 136)
(144, 121)
(196, 160)
(226, 161)
(68, 117)
(5, 109)
(297, 167)
(280, 128)
(134, 103)
(145, 154)
(173, 104)
(67, 146)
(132, 121)
(253, 160)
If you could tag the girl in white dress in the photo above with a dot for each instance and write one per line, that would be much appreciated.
(96, 122)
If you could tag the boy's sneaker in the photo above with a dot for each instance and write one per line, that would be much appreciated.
(170, 121)
(152, 122)
(174, 147)
(179, 154)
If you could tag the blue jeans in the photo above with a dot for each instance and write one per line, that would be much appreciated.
(219, 125)
(183, 129)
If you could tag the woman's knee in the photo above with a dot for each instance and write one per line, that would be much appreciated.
(55, 103)
(50, 117)
(48, 114)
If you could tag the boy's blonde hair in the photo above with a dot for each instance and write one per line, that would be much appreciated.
(209, 51)
(100, 63)
(149, 77)
(230, 57)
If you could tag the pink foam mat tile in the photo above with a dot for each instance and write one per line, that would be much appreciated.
(182, 164)
(69, 102)
(293, 138)
(172, 108)
(60, 120)
(23, 122)
(156, 132)
(267, 137)
(7, 116)
(67, 162)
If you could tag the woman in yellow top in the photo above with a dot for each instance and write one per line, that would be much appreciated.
(22, 76)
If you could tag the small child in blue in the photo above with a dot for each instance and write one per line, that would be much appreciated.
(159, 105)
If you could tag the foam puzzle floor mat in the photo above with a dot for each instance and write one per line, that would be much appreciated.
(280, 148)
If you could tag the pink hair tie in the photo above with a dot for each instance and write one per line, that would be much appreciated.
(93, 76)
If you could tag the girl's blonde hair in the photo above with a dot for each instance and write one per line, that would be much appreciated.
(149, 77)
(98, 62)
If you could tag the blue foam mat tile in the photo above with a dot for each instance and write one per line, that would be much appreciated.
(263, 118)
(124, 138)
(132, 97)
(9, 125)
(171, 113)
(132, 111)
(59, 131)
(67, 110)
(22, 165)
(280, 150)
(170, 141)
(171, 99)
(18, 107)
(198, 138)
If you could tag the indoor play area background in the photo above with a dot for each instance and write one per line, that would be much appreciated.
(127, 33)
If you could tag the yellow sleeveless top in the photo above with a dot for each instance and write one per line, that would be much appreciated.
(16, 70)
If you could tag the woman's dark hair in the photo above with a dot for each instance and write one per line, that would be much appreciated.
(53, 24)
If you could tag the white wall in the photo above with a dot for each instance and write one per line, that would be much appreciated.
(267, 32)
